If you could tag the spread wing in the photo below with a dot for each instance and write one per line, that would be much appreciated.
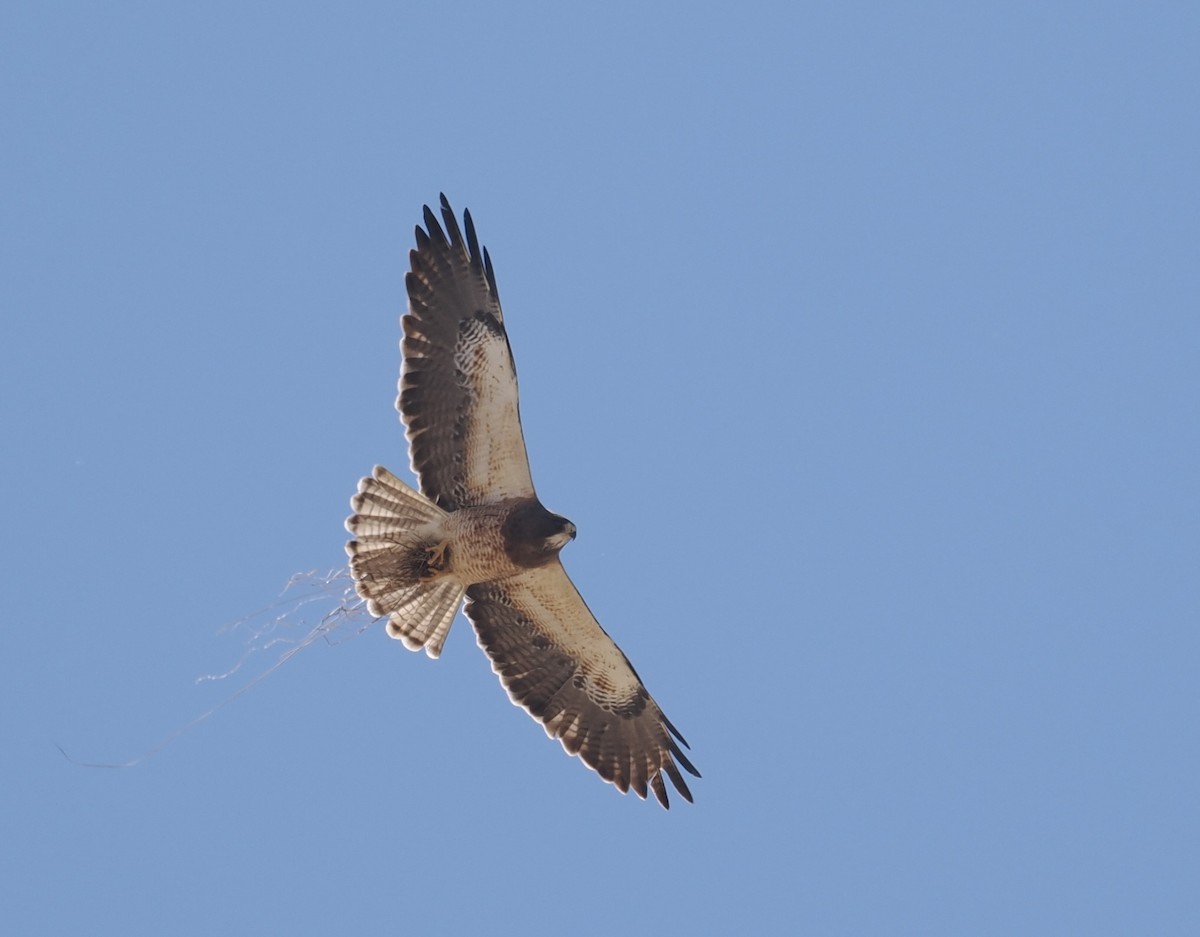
(458, 386)
(558, 663)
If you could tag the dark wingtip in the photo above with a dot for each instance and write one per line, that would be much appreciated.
(422, 240)
(491, 274)
(660, 791)
(452, 229)
(677, 780)
(472, 241)
(433, 227)
(675, 732)
(449, 234)
(683, 759)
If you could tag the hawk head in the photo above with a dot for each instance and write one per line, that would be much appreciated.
(533, 536)
(563, 533)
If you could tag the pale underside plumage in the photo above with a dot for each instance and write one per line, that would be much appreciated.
(458, 400)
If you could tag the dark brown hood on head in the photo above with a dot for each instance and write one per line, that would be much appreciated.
(532, 535)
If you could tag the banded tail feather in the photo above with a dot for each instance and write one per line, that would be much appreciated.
(394, 558)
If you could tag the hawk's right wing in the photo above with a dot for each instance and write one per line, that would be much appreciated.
(458, 386)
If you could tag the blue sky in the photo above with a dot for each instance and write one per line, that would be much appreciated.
(859, 342)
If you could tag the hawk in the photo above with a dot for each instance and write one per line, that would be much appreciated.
(477, 531)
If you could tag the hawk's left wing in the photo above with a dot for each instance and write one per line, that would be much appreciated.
(559, 665)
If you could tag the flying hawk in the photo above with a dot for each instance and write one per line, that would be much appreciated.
(477, 529)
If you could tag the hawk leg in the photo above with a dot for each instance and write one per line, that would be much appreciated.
(434, 560)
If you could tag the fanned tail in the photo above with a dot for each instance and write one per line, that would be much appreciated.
(394, 561)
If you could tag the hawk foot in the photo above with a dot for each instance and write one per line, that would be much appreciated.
(435, 560)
